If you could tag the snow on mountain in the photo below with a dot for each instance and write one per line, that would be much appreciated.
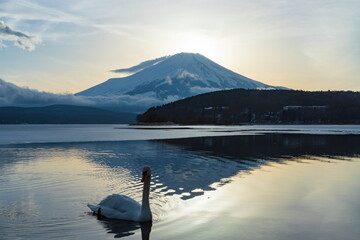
(174, 77)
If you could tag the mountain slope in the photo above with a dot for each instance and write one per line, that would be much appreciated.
(178, 76)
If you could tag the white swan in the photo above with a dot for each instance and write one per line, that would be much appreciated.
(122, 207)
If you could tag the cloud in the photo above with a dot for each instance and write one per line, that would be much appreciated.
(20, 39)
(140, 66)
(185, 74)
(13, 95)
(168, 80)
(55, 19)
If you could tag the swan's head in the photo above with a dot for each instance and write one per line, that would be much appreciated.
(146, 173)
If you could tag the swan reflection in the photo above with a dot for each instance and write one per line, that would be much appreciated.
(122, 228)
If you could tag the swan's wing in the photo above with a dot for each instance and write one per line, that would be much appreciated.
(111, 212)
(114, 214)
(118, 207)
(121, 203)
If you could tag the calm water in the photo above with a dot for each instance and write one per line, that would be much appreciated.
(272, 186)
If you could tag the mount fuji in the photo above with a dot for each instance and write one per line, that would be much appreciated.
(174, 77)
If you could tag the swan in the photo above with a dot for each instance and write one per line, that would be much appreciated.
(117, 206)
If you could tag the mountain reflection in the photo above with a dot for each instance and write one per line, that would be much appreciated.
(188, 167)
(272, 146)
(176, 171)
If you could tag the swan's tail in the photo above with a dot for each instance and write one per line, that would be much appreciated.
(93, 208)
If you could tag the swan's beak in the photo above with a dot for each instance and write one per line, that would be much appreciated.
(144, 175)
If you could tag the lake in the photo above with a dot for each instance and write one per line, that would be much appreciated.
(209, 182)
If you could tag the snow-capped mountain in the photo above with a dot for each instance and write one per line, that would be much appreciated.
(174, 77)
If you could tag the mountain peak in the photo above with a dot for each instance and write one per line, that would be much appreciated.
(190, 57)
(174, 77)
(187, 54)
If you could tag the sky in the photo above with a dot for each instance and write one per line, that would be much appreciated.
(68, 46)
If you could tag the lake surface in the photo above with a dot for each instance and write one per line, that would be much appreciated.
(246, 182)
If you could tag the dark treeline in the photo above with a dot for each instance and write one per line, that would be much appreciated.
(62, 114)
(240, 106)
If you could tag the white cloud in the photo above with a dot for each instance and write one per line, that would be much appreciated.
(185, 74)
(12, 95)
(168, 80)
(54, 14)
(20, 39)
(2, 45)
(28, 10)
(141, 66)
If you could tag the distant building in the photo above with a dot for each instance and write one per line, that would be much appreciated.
(216, 108)
(305, 114)
(304, 107)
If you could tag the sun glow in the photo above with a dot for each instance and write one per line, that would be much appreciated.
(198, 43)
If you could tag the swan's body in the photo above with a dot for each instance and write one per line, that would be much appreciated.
(118, 206)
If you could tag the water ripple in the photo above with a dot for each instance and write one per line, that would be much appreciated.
(44, 188)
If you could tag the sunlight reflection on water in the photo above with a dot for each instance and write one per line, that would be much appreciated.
(218, 184)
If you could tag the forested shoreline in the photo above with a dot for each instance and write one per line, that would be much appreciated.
(240, 106)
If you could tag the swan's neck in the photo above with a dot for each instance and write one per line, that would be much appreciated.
(145, 207)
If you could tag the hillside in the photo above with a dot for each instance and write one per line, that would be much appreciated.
(62, 114)
(239, 106)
